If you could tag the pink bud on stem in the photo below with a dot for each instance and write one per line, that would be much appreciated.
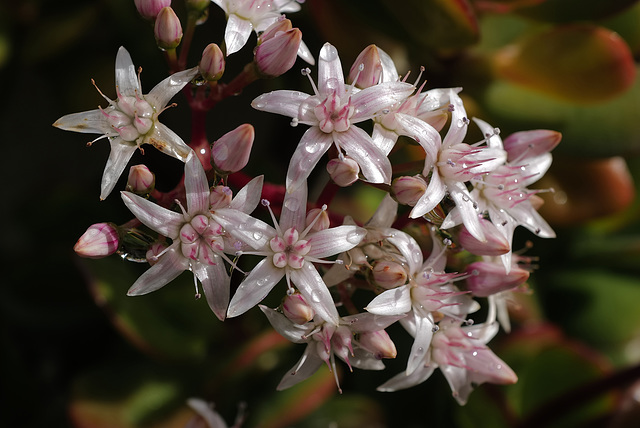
(100, 240)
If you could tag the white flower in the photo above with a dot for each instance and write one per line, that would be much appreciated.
(290, 249)
(198, 241)
(326, 340)
(245, 16)
(131, 120)
(331, 112)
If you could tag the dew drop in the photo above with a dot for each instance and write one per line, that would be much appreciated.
(354, 238)
(257, 235)
(312, 147)
(332, 84)
(292, 204)
(315, 297)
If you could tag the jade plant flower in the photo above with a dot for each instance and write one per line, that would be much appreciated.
(198, 241)
(290, 249)
(245, 16)
(131, 120)
(331, 111)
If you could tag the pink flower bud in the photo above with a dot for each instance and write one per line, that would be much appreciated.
(141, 180)
(154, 251)
(495, 245)
(378, 343)
(389, 274)
(277, 50)
(491, 278)
(296, 309)
(100, 240)
(408, 190)
(220, 197)
(212, 64)
(320, 217)
(344, 172)
(168, 30)
(529, 144)
(149, 9)
(369, 61)
(231, 152)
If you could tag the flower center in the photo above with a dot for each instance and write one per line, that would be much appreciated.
(503, 187)
(289, 250)
(200, 239)
(333, 115)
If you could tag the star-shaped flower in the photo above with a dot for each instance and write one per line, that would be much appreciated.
(289, 248)
(132, 119)
(198, 241)
(331, 111)
(244, 16)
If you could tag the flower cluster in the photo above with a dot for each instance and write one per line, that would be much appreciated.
(464, 197)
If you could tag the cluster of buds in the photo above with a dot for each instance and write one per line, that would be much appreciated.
(479, 191)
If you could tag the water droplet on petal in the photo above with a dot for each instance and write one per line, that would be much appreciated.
(354, 238)
(292, 204)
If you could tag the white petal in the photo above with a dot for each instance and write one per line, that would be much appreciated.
(389, 71)
(308, 364)
(458, 127)
(367, 321)
(459, 382)
(374, 99)
(88, 122)
(247, 199)
(160, 219)
(294, 209)
(245, 228)
(162, 93)
(434, 194)
(313, 289)
(467, 209)
(169, 266)
(374, 164)
(402, 381)
(396, 301)
(236, 33)
(305, 53)
(215, 283)
(126, 76)
(409, 248)
(313, 144)
(334, 240)
(337, 273)
(284, 102)
(206, 412)
(196, 186)
(424, 134)
(289, 330)
(385, 214)
(434, 99)
(119, 157)
(330, 75)
(365, 360)
(494, 141)
(420, 347)
(167, 141)
(254, 287)
(383, 138)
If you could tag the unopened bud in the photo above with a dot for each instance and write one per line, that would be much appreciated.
(320, 217)
(408, 190)
(495, 245)
(529, 144)
(220, 197)
(343, 171)
(488, 278)
(149, 9)
(141, 180)
(341, 343)
(277, 49)
(167, 29)
(100, 240)
(389, 274)
(231, 152)
(296, 309)
(367, 68)
(212, 64)
(378, 343)
(154, 251)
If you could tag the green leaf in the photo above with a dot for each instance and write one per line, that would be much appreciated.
(566, 62)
